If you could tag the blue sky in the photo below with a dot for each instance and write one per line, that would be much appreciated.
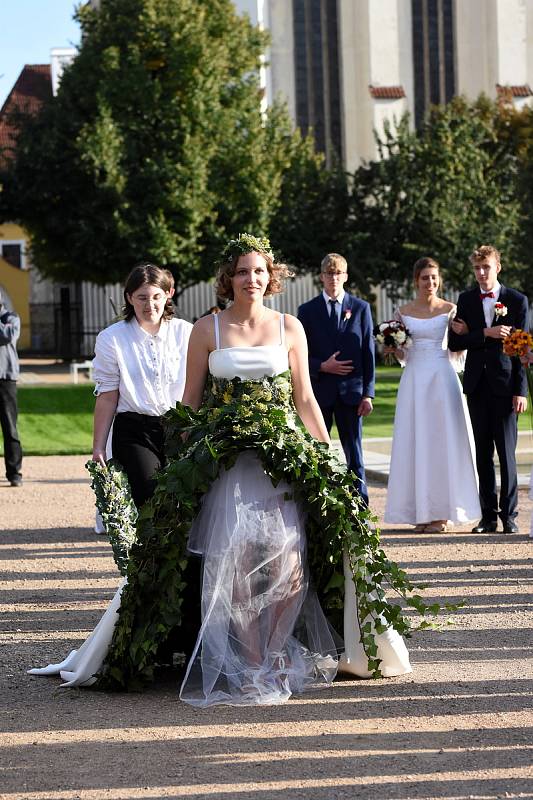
(28, 31)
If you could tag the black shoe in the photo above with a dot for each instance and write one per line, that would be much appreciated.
(510, 526)
(16, 482)
(484, 526)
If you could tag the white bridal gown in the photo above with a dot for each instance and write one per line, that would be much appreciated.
(263, 634)
(432, 474)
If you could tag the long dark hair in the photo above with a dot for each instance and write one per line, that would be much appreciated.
(147, 274)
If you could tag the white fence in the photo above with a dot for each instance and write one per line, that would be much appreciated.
(101, 303)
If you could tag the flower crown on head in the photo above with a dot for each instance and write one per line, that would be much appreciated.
(246, 243)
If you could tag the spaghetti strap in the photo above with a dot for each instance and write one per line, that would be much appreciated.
(282, 328)
(217, 332)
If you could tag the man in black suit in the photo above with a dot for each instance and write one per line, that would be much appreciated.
(339, 327)
(494, 383)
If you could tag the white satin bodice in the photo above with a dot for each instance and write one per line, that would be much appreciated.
(430, 337)
(248, 363)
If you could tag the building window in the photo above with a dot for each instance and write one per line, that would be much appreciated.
(317, 75)
(13, 253)
(433, 54)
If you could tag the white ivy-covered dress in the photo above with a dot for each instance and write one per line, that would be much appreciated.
(263, 635)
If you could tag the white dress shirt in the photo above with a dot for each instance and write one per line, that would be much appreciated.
(338, 307)
(148, 370)
(489, 303)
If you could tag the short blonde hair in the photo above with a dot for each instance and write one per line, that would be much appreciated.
(334, 260)
(226, 271)
(483, 252)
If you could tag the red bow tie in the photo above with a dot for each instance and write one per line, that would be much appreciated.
(486, 294)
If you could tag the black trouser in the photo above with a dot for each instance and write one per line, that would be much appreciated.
(8, 420)
(138, 445)
(350, 428)
(494, 423)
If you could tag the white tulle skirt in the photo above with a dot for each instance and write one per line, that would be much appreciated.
(263, 634)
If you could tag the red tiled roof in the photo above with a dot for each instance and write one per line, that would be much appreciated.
(514, 91)
(32, 88)
(387, 92)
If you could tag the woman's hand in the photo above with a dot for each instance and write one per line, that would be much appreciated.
(397, 352)
(99, 457)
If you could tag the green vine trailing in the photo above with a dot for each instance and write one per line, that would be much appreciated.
(240, 415)
(117, 509)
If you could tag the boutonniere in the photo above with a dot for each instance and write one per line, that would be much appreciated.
(347, 315)
(500, 310)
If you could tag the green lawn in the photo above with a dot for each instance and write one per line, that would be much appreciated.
(380, 422)
(55, 420)
(58, 420)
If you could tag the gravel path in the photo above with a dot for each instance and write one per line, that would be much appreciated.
(459, 727)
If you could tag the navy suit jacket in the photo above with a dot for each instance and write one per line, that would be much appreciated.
(355, 341)
(506, 376)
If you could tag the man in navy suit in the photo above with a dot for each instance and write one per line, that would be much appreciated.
(495, 384)
(339, 327)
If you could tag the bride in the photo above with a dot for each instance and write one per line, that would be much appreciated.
(432, 479)
(267, 541)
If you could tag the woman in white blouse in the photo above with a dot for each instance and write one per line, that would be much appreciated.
(139, 371)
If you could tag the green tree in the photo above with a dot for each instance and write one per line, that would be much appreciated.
(515, 131)
(438, 191)
(154, 148)
(314, 206)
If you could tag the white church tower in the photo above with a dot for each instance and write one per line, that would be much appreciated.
(344, 66)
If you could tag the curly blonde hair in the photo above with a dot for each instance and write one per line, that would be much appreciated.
(483, 252)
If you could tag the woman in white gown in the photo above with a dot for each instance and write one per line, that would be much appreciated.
(263, 634)
(432, 477)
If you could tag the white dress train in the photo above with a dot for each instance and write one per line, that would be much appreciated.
(391, 647)
(80, 666)
(432, 474)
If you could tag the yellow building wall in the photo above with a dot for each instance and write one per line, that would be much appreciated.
(10, 230)
(16, 282)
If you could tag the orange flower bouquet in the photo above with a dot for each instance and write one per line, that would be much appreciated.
(520, 343)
